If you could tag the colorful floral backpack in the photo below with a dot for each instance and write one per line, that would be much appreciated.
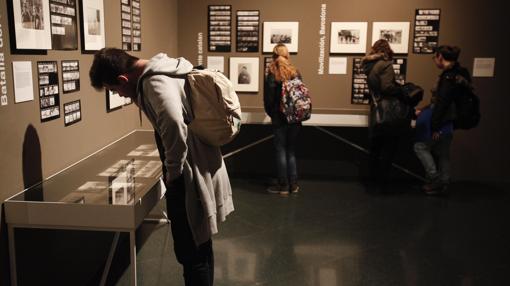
(296, 104)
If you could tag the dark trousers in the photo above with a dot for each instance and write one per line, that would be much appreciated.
(383, 149)
(197, 261)
(285, 139)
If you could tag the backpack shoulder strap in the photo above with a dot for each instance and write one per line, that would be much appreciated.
(187, 90)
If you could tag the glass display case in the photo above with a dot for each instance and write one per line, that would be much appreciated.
(111, 190)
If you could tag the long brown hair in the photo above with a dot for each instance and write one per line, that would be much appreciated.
(281, 66)
(382, 46)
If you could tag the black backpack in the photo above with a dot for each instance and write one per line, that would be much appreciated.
(412, 93)
(467, 106)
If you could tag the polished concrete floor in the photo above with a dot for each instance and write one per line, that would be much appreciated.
(335, 232)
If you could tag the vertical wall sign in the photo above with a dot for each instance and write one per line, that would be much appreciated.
(49, 101)
(220, 32)
(248, 23)
(125, 18)
(64, 29)
(137, 25)
(3, 81)
(426, 30)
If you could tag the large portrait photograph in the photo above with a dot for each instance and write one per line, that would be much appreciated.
(348, 37)
(92, 25)
(396, 33)
(281, 32)
(244, 74)
(31, 19)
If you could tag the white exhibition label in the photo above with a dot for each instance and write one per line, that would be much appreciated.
(216, 63)
(483, 67)
(337, 65)
(23, 84)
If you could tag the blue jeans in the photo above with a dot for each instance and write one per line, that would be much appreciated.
(435, 158)
(285, 139)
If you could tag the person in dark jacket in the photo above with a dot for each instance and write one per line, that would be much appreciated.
(434, 150)
(386, 95)
(285, 134)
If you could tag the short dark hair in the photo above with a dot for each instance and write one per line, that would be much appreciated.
(449, 53)
(108, 64)
(382, 46)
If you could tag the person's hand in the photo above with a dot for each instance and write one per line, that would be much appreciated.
(436, 136)
(417, 112)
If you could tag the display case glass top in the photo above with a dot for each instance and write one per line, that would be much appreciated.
(120, 174)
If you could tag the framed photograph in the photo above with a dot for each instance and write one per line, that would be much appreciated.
(244, 74)
(92, 25)
(426, 30)
(348, 37)
(248, 30)
(396, 33)
(49, 99)
(281, 32)
(32, 28)
(72, 112)
(70, 76)
(113, 101)
(64, 27)
(219, 26)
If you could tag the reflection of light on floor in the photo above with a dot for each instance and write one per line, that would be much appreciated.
(233, 263)
(327, 277)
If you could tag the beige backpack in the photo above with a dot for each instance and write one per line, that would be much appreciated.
(214, 105)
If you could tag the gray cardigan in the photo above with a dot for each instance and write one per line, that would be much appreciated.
(208, 190)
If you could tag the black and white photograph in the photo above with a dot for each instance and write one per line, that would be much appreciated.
(92, 25)
(267, 62)
(32, 26)
(126, 28)
(136, 37)
(114, 101)
(70, 76)
(72, 112)
(281, 32)
(64, 25)
(426, 31)
(49, 99)
(360, 93)
(396, 33)
(400, 68)
(219, 19)
(244, 73)
(348, 37)
(248, 23)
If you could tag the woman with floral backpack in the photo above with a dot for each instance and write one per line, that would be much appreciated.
(281, 71)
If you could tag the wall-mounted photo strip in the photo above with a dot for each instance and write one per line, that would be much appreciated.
(136, 25)
(348, 37)
(360, 93)
(244, 74)
(281, 32)
(219, 27)
(114, 101)
(64, 28)
(72, 112)
(92, 25)
(396, 33)
(30, 20)
(70, 76)
(49, 99)
(248, 30)
(126, 33)
(426, 30)
(400, 68)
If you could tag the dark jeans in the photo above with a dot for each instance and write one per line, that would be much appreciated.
(285, 139)
(197, 261)
(383, 149)
(435, 158)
